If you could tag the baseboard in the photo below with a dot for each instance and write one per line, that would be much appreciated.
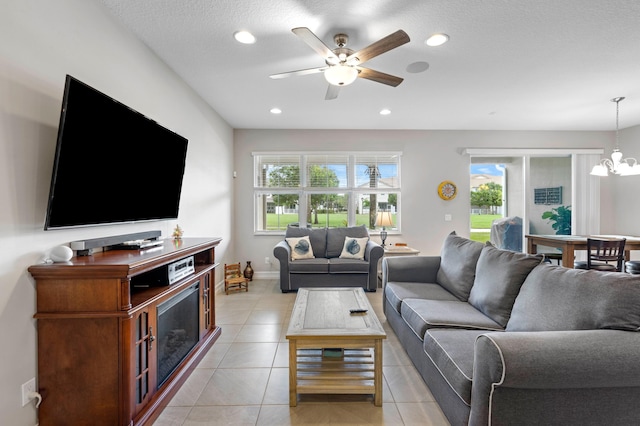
(266, 275)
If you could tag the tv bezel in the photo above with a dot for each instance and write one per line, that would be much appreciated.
(60, 140)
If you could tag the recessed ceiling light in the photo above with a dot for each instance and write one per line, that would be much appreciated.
(437, 40)
(244, 37)
(276, 111)
(385, 111)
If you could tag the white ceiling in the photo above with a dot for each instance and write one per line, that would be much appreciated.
(509, 64)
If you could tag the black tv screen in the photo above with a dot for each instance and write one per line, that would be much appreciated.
(112, 164)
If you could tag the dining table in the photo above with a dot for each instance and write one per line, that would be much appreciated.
(569, 244)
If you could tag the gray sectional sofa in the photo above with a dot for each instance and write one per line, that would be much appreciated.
(336, 257)
(503, 339)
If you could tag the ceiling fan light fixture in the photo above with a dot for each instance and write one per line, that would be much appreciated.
(437, 40)
(341, 75)
(244, 37)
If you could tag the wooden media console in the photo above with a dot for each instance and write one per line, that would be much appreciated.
(100, 332)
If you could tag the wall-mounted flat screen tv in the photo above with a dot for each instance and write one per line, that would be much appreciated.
(112, 164)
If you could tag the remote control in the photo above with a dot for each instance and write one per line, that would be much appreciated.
(357, 311)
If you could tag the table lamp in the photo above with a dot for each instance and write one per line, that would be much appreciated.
(384, 219)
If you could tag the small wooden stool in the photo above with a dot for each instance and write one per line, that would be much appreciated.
(234, 279)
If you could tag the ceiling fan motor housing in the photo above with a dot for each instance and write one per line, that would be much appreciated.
(341, 40)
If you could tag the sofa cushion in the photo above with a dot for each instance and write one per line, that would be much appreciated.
(317, 237)
(348, 266)
(556, 298)
(318, 265)
(336, 236)
(396, 292)
(458, 265)
(451, 351)
(354, 248)
(300, 248)
(421, 315)
(499, 276)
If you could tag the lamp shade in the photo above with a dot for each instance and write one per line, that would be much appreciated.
(341, 75)
(384, 219)
(599, 170)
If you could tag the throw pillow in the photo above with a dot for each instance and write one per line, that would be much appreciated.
(354, 248)
(458, 260)
(335, 238)
(317, 238)
(300, 248)
(499, 276)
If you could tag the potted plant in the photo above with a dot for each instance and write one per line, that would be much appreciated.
(560, 219)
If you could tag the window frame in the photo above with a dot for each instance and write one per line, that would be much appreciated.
(352, 191)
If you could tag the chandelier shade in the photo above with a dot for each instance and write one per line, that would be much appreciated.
(617, 164)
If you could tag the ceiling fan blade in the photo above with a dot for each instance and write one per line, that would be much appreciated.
(379, 47)
(299, 72)
(332, 92)
(379, 77)
(315, 43)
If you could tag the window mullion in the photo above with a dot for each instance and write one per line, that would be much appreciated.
(302, 212)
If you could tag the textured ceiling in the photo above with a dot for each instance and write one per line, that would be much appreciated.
(509, 64)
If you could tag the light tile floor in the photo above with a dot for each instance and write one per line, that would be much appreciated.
(243, 379)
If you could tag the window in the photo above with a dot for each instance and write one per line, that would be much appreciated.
(325, 189)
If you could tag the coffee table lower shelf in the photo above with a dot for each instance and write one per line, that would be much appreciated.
(355, 372)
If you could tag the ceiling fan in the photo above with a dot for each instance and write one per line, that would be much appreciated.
(343, 64)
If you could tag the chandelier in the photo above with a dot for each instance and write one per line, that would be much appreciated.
(617, 165)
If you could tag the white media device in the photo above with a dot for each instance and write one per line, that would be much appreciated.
(180, 269)
(165, 275)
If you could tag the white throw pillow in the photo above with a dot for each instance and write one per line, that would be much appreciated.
(354, 248)
(300, 248)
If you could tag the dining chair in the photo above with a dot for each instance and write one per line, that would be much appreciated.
(603, 255)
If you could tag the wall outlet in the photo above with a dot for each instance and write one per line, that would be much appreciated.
(27, 389)
(447, 217)
(267, 260)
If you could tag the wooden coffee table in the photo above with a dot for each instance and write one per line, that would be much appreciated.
(321, 319)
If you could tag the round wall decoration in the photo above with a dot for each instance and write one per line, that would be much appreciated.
(447, 190)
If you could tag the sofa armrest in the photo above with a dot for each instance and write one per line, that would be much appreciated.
(373, 253)
(559, 360)
(282, 252)
(410, 269)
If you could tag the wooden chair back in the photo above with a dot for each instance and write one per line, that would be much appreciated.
(232, 271)
(610, 251)
(234, 279)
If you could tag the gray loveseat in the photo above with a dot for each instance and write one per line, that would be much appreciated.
(502, 339)
(328, 267)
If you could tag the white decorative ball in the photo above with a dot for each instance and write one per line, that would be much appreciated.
(61, 254)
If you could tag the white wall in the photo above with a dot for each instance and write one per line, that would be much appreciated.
(41, 42)
(429, 157)
(548, 172)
